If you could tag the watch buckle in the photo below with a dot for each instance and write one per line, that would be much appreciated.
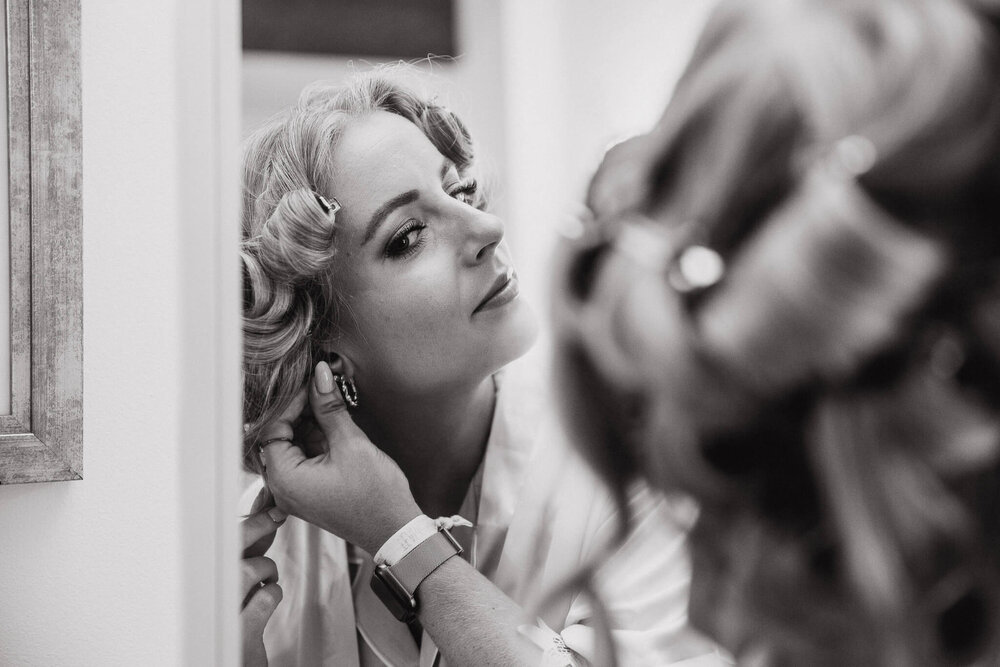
(458, 547)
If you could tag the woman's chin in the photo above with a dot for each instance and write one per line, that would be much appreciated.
(515, 336)
(523, 333)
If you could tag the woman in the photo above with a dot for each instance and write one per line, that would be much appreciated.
(789, 309)
(370, 256)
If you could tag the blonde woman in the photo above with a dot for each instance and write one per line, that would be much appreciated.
(377, 278)
(789, 308)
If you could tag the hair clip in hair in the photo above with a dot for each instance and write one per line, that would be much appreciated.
(329, 206)
(696, 268)
(854, 155)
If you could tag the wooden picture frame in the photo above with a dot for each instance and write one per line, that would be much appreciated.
(42, 437)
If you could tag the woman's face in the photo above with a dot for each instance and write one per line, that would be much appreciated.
(428, 295)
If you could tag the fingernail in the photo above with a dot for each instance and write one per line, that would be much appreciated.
(276, 515)
(324, 378)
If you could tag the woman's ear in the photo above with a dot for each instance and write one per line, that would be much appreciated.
(340, 364)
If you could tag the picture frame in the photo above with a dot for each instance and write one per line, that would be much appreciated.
(41, 439)
(404, 29)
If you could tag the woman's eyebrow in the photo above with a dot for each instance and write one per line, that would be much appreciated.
(403, 199)
(385, 209)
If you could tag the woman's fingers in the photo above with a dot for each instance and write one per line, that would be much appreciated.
(259, 530)
(328, 406)
(283, 455)
(259, 576)
(309, 436)
(282, 458)
(263, 501)
(254, 572)
(260, 604)
(282, 427)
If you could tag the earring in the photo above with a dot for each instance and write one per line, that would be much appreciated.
(347, 390)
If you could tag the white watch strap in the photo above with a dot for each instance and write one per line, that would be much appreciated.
(404, 540)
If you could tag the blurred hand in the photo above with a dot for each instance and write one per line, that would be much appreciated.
(261, 593)
(343, 483)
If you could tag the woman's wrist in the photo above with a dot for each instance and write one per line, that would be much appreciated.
(383, 530)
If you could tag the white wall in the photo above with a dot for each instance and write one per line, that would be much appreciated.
(577, 76)
(122, 568)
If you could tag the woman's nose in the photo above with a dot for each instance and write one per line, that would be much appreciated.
(485, 231)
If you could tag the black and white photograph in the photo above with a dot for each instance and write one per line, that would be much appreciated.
(460, 333)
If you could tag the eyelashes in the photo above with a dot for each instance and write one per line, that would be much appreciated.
(409, 238)
(466, 191)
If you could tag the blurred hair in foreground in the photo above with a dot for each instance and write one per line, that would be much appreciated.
(830, 392)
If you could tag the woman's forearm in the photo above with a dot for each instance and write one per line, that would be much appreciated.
(471, 620)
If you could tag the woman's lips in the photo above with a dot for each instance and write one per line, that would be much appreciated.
(504, 290)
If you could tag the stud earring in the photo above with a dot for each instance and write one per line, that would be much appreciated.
(347, 389)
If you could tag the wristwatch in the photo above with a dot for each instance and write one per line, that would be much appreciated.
(396, 585)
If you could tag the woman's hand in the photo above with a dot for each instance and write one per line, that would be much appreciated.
(261, 593)
(350, 488)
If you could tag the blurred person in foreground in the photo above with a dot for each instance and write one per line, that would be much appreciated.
(787, 306)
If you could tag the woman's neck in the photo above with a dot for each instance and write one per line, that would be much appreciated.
(437, 439)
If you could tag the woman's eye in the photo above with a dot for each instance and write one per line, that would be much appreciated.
(465, 191)
(405, 241)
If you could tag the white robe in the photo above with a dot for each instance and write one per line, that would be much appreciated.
(541, 514)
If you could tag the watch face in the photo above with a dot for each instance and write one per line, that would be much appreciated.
(400, 604)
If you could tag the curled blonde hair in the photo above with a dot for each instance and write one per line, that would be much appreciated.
(290, 304)
(833, 401)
